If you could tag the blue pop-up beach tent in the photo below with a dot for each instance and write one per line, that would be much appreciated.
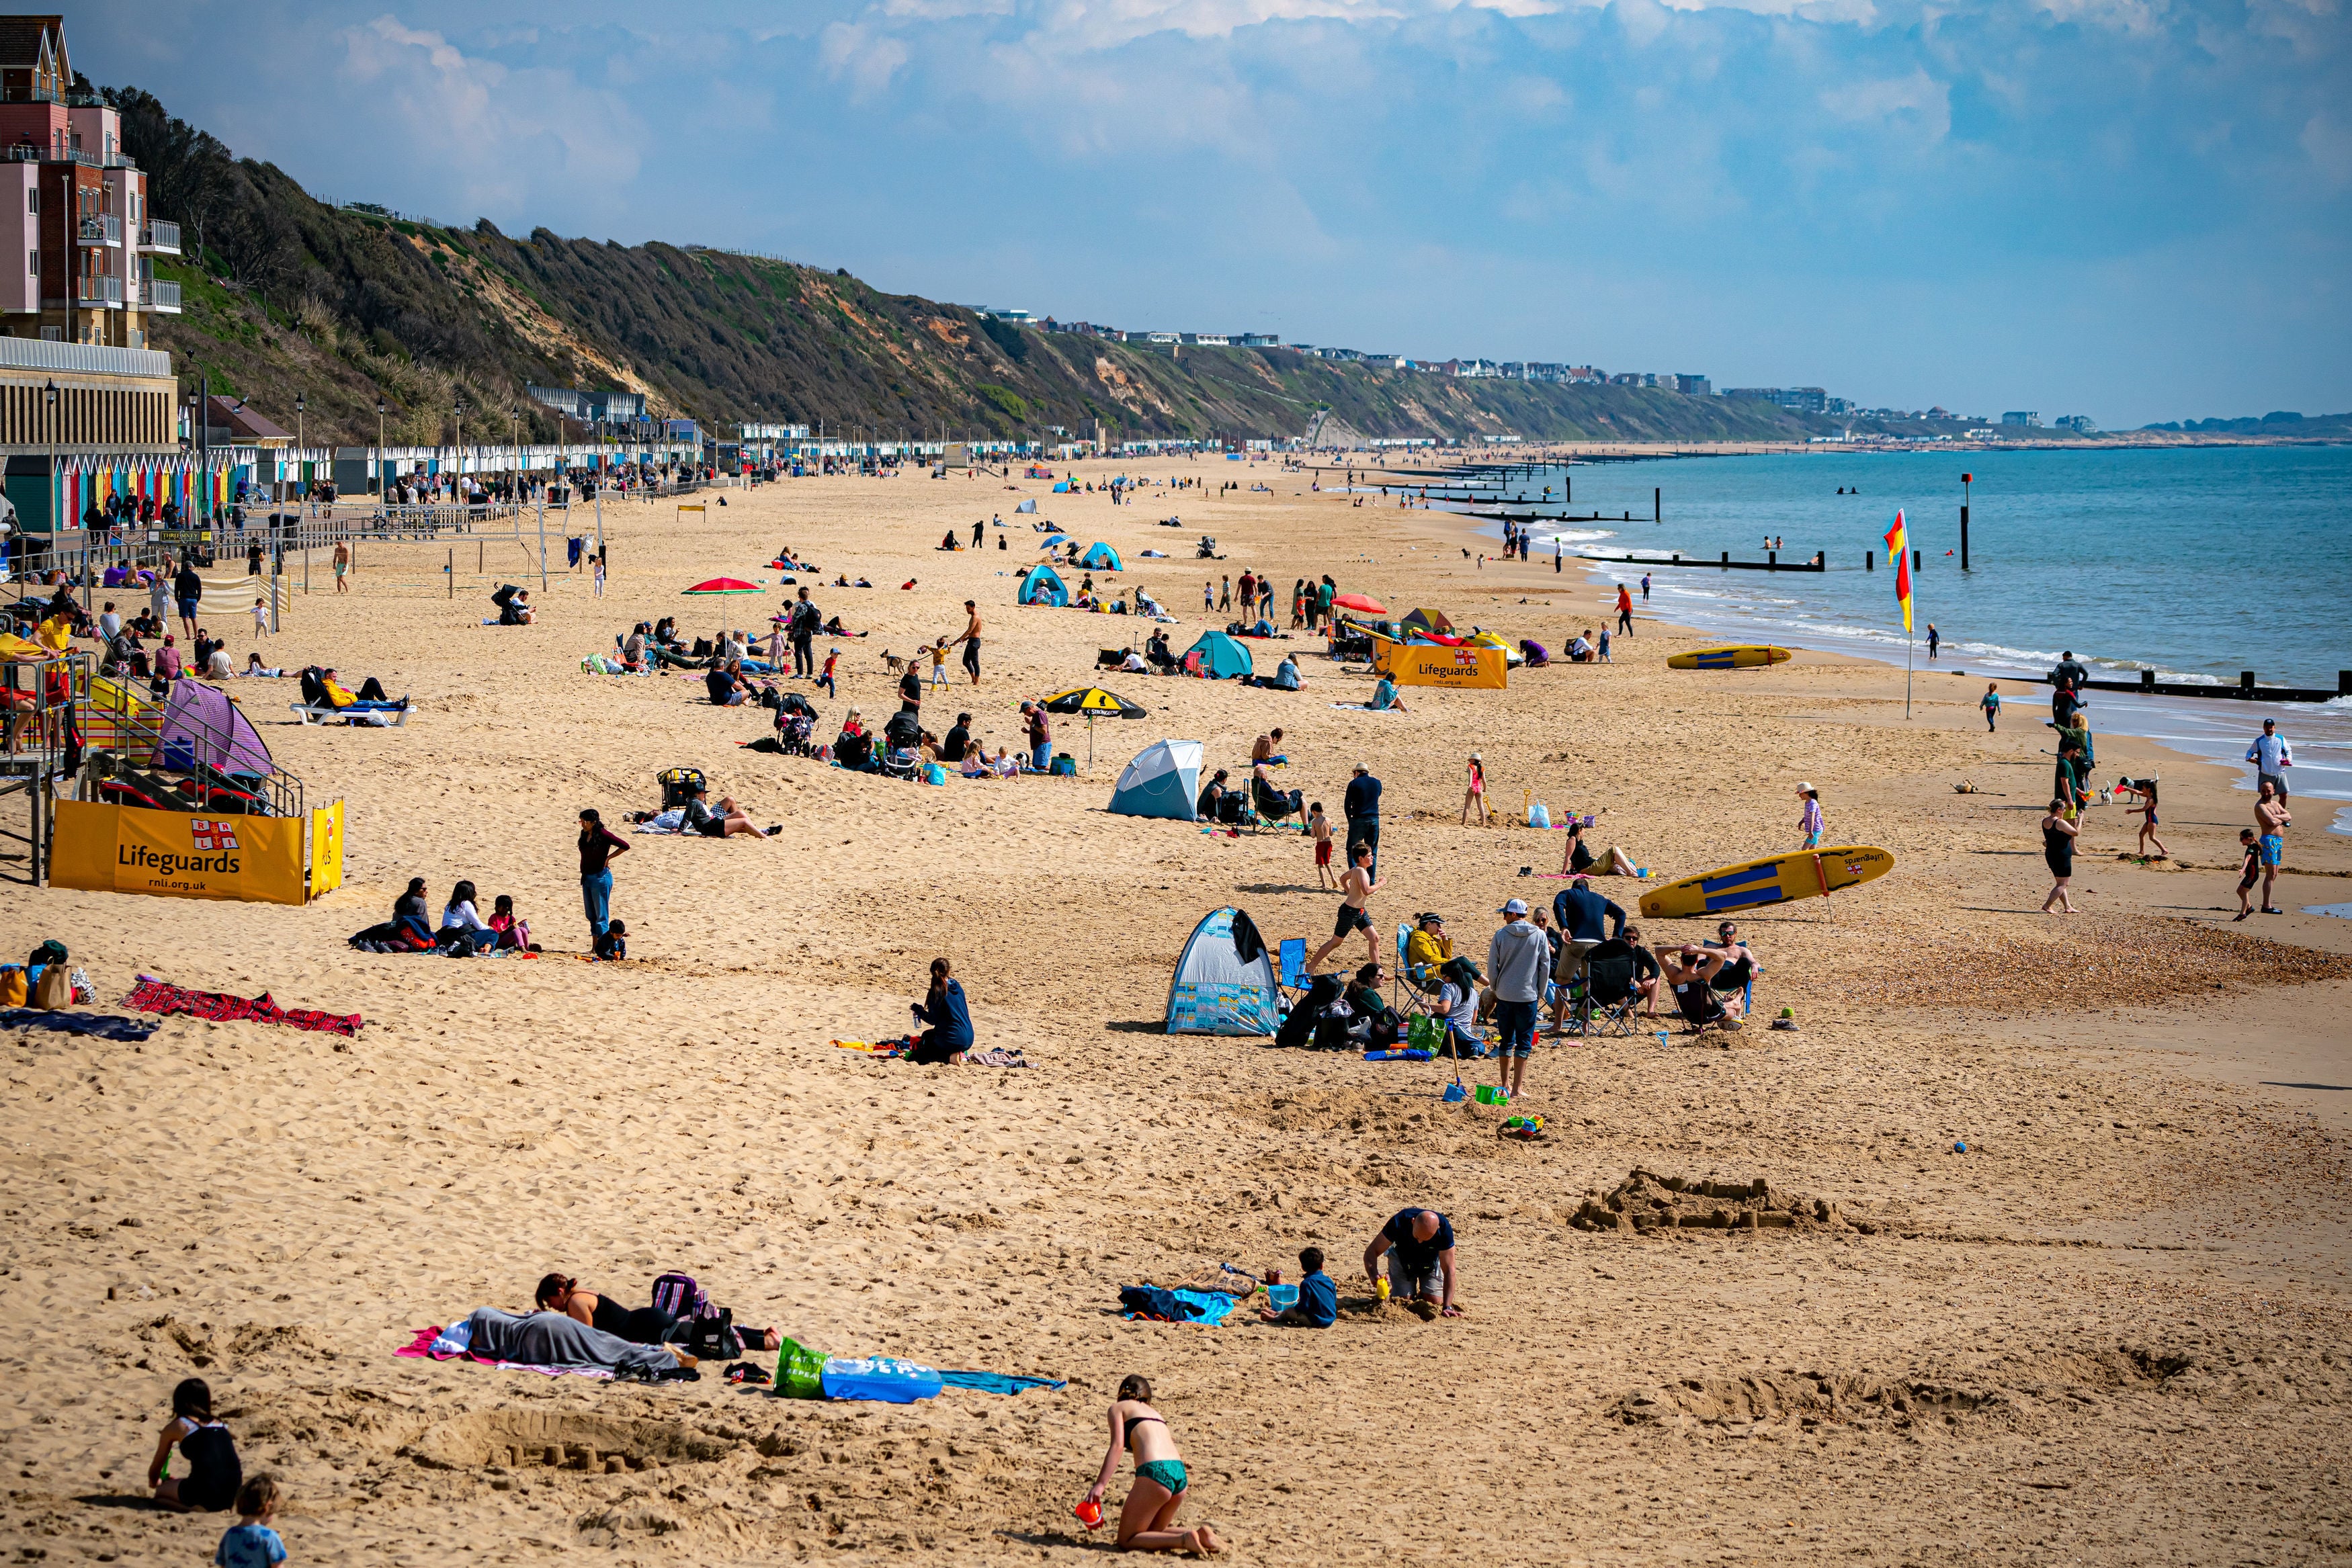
(1028, 506)
(1161, 781)
(1045, 586)
(1224, 982)
(1100, 557)
(1221, 658)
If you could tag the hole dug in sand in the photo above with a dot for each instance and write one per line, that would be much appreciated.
(1645, 1202)
(1808, 1399)
(523, 1439)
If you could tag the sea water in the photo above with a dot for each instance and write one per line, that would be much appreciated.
(2196, 562)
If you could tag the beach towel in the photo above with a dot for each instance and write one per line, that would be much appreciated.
(997, 1382)
(1365, 708)
(105, 1026)
(153, 996)
(547, 1343)
(1152, 1303)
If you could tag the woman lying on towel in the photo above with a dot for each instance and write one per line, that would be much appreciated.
(644, 1325)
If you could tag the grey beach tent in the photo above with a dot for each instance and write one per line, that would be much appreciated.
(1225, 980)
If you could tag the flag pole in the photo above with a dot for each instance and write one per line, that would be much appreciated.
(1907, 668)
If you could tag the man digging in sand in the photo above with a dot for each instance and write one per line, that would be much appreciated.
(1420, 1244)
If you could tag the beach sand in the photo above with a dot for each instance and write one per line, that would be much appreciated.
(2114, 1331)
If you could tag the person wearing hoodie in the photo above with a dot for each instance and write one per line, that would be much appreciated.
(1518, 957)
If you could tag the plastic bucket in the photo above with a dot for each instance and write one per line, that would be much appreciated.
(1492, 1094)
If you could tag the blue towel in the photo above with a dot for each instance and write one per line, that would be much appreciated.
(105, 1026)
(1155, 1303)
(997, 1382)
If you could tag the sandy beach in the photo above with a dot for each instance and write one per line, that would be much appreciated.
(2114, 1331)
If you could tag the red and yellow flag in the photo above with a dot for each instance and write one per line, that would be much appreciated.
(1898, 550)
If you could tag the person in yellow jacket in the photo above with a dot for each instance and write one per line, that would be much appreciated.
(1429, 948)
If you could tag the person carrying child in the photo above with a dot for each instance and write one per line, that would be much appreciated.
(215, 1473)
(250, 1543)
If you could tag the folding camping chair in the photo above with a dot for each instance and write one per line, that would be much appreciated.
(1609, 1000)
(1292, 953)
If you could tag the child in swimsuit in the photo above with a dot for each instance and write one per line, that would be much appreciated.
(1147, 1521)
(214, 1472)
(2249, 874)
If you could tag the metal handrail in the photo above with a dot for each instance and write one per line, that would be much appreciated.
(98, 289)
(159, 294)
(160, 234)
(100, 228)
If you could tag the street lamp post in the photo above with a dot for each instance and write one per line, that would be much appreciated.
(457, 450)
(301, 406)
(383, 489)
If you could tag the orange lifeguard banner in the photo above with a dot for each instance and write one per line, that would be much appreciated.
(127, 849)
(1469, 668)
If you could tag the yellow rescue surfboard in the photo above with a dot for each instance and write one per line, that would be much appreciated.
(1744, 657)
(1780, 879)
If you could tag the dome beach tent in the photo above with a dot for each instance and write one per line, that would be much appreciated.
(1100, 557)
(1028, 506)
(1044, 586)
(1224, 982)
(1220, 657)
(1163, 781)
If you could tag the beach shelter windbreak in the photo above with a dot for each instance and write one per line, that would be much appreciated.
(1045, 586)
(1100, 557)
(1429, 620)
(202, 725)
(1163, 781)
(1225, 980)
(1220, 657)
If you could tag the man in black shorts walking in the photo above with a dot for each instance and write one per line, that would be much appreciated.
(1356, 885)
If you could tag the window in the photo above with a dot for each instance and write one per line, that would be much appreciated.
(33, 262)
(33, 199)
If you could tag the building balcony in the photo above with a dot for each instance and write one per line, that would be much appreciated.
(157, 295)
(157, 235)
(102, 228)
(97, 291)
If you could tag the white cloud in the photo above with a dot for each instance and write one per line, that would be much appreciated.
(1916, 100)
(497, 137)
(863, 53)
(2329, 142)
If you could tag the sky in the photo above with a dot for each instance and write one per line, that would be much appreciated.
(2136, 210)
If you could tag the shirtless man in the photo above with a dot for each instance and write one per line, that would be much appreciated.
(1692, 965)
(342, 564)
(971, 638)
(1358, 884)
(2271, 818)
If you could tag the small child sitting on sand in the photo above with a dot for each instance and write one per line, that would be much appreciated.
(214, 1472)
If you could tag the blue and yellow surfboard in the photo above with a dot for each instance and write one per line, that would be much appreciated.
(1743, 657)
(1783, 879)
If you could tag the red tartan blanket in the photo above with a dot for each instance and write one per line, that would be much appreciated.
(153, 996)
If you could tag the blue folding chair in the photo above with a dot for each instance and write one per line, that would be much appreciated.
(1292, 953)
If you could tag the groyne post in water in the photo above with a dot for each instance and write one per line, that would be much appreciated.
(1966, 480)
(1870, 560)
(1657, 504)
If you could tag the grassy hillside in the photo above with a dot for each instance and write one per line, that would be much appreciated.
(285, 296)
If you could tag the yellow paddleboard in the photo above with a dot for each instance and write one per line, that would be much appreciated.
(1738, 658)
(1805, 873)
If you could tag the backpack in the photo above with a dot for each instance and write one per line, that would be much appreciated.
(680, 1297)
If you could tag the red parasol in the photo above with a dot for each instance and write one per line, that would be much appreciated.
(1361, 602)
(726, 585)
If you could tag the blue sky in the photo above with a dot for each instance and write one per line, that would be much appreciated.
(2134, 209)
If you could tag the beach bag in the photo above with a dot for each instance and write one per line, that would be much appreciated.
(1537, 817)
(680, 1297)
(1421, 1033)
(713, 1336)
(934, 773)
(12, 985)
(54, 990)
(1066, 766)
(800, 1372)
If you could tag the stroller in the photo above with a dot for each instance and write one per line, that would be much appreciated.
(793, 733)
(1208, 551)
(679, 785)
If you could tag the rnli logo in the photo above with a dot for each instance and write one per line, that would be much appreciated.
(1466, 659)
(212, 836)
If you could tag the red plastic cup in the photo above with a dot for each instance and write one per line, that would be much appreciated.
(1090, 1514)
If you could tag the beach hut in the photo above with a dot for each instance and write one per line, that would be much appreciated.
(1046, 587)
(1428, 620)
(1224, 982)
(1218, 657)
(1100, 557)
(1163, 781)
